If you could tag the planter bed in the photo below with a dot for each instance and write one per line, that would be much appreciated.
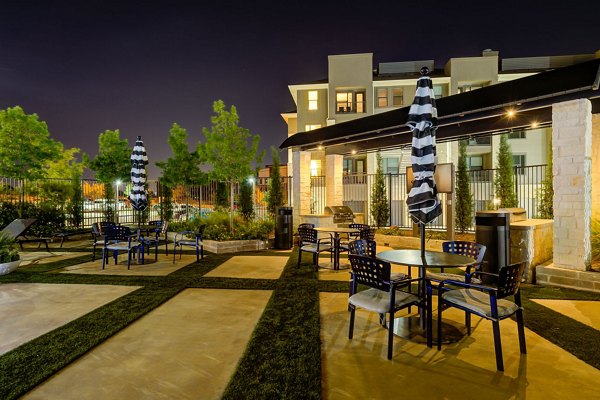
(234, 246)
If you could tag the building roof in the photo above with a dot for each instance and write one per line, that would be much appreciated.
(469, 114)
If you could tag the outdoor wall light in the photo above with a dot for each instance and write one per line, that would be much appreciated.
(320, 147)
(534, 124)
(353, 152)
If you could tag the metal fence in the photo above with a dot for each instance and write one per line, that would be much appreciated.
(192, 201)
(187, 201)
(357, 191)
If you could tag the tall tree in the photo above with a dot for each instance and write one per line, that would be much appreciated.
(59, 190)
(275, 193)
(183, 168)
(112, 163)
(380, 209)
(25, 145)
(546, 207)
(504, 181)
(245, 200)
(229, 148)
(464, 197)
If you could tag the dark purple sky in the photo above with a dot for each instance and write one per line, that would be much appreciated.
(87, 66)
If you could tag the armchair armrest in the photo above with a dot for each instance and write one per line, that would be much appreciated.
(465, 285)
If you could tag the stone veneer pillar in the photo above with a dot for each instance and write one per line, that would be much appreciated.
(334, 190)
(572, 162)
(300, 185)
(596, 166)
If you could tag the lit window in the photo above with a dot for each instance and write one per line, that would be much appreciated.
(398, 94)
(313, 100)
(350, 101)
(438, 92)
(519, 161)
(382, 97)
(518, 134)
(390, 165)
(311, 127)
(315, 167)
(475, 163)
(347, 166)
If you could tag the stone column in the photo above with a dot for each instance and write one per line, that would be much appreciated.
(300, 185)
(572, 162)
(334, 190)
(596, 166)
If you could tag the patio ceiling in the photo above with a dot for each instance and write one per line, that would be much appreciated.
(477, 113)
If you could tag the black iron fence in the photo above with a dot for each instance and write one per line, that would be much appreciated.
(193, 201)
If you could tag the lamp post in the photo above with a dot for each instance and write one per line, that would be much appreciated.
(253, 182)
(118, 183)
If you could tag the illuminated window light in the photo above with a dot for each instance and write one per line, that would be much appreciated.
(313, 100)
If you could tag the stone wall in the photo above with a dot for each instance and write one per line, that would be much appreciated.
(531, 241)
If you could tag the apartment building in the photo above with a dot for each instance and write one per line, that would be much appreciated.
(355, 88)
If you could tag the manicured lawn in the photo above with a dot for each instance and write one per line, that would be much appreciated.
(283, 357)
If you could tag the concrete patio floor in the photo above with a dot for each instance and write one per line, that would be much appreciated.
(163, 266)
(189, 347)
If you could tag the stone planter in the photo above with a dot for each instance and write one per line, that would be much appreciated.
(229, 246)
(7, 268)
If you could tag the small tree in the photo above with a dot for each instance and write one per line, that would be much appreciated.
(229, 148)
(504, 181)
(380, 209)
(222, 196)
(275, 193)
(246, 207)
(464, 197)
(110, 164)
(546, 207)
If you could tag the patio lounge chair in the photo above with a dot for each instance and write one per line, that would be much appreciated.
(16, 230)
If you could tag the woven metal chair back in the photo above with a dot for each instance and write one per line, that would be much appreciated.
(371, 272)
(307, 235)
(472, 250)
(367, 234)
(509, 279)
(363, 247)
(117, 233)
(358, 226)
(306, 225)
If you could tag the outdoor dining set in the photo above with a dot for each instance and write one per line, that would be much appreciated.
(476, 292)
(140, 239)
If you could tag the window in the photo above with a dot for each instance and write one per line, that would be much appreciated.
(350, 101)
(438, 92)
(382, 97)
(390, 165)
(469, 87)
(313, 100)
(311, 127)
(315, 167)
(519, 161)
(398, 97)
(518, 134)
(475, 163)
(347, 166)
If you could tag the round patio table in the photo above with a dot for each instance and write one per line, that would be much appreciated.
(413, 328)
(336, 240)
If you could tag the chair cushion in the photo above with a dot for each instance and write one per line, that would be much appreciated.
(479, 302)
(312, 248)
(379, 301)
(442, 276)
(120, 246)
(395, 276)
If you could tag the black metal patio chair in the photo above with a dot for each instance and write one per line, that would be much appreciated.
(119, 238)
(308, 241)
(190, 239)
(486, 302)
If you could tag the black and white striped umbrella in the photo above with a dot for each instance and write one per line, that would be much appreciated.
(139, 195)
(422, 201)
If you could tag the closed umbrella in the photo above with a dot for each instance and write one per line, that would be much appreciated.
(138, 197)
(422, 201)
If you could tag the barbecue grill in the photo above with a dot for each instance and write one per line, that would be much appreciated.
(341, 214)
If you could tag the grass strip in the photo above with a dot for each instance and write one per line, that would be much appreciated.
(26, 366)
(283, 357)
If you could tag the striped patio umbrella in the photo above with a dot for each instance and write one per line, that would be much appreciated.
(422, 201)
(139, 195)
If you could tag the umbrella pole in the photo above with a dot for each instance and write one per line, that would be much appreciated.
(422, 233)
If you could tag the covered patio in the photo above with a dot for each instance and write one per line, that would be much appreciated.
(566, 99)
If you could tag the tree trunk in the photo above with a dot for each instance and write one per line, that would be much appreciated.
(231, 206)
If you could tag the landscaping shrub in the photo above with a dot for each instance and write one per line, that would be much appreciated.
(217, 227)
(49, 219)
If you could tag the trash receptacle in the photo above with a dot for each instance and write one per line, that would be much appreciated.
(492, 229)
(284, 228)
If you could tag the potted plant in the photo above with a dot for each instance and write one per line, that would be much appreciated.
(9, 255)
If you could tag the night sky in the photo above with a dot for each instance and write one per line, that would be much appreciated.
(88, 66)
